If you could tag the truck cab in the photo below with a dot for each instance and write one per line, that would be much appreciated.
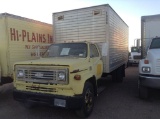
(134, 55)
(149, 69)
(66, 76)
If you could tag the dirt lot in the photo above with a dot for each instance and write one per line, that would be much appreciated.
(117, 101)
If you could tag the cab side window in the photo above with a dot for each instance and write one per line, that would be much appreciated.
(93, 51)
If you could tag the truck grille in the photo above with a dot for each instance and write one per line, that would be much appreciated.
(158, 66)
(43, 75)
(38, 74)
(137, 57)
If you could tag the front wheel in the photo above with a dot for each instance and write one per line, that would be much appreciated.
(88, 101)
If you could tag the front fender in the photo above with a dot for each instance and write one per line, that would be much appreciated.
(142, 64)
(78, 85)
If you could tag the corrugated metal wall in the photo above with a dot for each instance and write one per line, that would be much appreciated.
(80, 25)
(118, 40)
(95, 24)
(150, 28)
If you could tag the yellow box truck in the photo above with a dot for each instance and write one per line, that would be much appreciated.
(90, 43)
(21, 39)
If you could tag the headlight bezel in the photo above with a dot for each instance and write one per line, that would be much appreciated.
(146, 69)
(61, 76)
(20, 73)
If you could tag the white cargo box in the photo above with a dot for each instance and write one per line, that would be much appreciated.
(97, 24)
(150, 28)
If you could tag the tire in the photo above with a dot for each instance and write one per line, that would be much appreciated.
(143, 92)
(114, 76)
(88, 101)
(120, 75)
(117, 75)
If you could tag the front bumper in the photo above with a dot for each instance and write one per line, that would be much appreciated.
(133, 61)
(149, 81)
(49, 99)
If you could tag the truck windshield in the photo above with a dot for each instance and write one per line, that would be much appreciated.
(67, 50)
(155, 43)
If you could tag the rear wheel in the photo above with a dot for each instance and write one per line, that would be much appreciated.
(118, 74)
(88, 101)
(114, 76)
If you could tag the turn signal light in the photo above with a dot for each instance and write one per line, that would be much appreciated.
(77, 77)
(146, 61)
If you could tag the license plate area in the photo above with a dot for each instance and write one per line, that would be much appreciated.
(60, 102)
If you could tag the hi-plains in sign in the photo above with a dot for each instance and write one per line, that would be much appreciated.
(26, 36)
(36, 43)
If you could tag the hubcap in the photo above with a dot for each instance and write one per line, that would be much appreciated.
(89, 100)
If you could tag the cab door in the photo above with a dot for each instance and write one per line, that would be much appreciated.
(96, 61)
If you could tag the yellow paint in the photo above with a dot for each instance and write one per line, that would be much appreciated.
(19, 38)
(74, 87)
(99, 69)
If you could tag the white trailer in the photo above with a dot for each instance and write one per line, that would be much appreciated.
(97, 24)
(150, 27)
(149, 66)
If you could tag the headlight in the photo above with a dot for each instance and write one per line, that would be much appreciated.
(61, 76)
(146, 69)
(20, 74)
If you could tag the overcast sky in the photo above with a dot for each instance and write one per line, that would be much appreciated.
(129, 10)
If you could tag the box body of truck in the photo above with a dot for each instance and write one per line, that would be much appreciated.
(150, 26)
(21, 39)
(97, 24)
(88, 42)
(149, 66)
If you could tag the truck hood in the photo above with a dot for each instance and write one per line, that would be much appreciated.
(54, 61)
(153, 54)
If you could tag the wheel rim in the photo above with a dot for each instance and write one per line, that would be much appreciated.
(88, 100)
